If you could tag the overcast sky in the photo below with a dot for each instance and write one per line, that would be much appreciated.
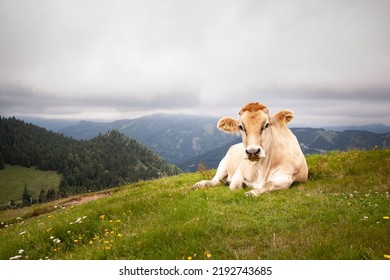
(328, 61)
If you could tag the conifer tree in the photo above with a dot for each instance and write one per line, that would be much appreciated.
(26, 197)
(1, 161)
(42, 196)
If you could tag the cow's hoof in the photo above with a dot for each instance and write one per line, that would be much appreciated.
(247, 194)
(251, 193)
(199, 185)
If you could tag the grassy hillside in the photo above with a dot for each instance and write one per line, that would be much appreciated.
(14, 178)
(342, 212)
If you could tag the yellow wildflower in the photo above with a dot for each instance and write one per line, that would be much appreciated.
(90, 242)
(102, 216)
(387, 256)
(119, 235)
(189, 258)
(76, 240)
(386, 217)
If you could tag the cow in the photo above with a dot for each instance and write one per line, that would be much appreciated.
(269, 157)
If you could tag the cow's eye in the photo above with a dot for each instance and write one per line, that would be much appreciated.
(266, 125)
(240, 127)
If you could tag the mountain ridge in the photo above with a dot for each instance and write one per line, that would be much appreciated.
(59, 125)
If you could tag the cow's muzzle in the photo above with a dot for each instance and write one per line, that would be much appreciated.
(254, 153)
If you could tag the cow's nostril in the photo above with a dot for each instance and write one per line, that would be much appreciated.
(253, 151)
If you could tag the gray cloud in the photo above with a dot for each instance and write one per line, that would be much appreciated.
(118, 59)
(21, 100)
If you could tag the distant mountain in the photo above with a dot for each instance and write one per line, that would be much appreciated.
(312, 141)
(176, 138)
(50, 124)
(186, 140)
(375, 128)
(210, 159)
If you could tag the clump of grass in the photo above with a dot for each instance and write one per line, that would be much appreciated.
(205, 173)
(342, 212)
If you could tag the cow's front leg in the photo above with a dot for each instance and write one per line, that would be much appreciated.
(237, 181)
(218, 178)
(266, 187)
(205, 183)
(278, 182)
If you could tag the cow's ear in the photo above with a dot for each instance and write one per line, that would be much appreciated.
(283, 117)
(228, 125)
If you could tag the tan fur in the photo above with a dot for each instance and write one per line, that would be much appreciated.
(253, 107)
(269, 156)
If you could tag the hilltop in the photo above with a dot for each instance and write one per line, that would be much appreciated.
(342, 212)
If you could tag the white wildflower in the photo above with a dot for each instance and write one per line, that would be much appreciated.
(23, 232)
(21, 251)
(56, 240)
(15, 257)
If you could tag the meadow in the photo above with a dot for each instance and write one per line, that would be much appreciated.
(13, 179)
(342, 212)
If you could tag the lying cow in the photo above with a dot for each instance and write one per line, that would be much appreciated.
(269, 157)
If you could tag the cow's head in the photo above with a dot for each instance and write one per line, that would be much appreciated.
(255, 126)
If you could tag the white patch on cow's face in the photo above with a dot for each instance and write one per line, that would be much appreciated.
(254, 127)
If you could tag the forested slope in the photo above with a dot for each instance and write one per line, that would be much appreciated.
(105, 161)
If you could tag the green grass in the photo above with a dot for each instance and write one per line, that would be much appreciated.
(14, 178)
(340, 213)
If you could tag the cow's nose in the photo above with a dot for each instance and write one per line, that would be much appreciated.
(253, 151)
